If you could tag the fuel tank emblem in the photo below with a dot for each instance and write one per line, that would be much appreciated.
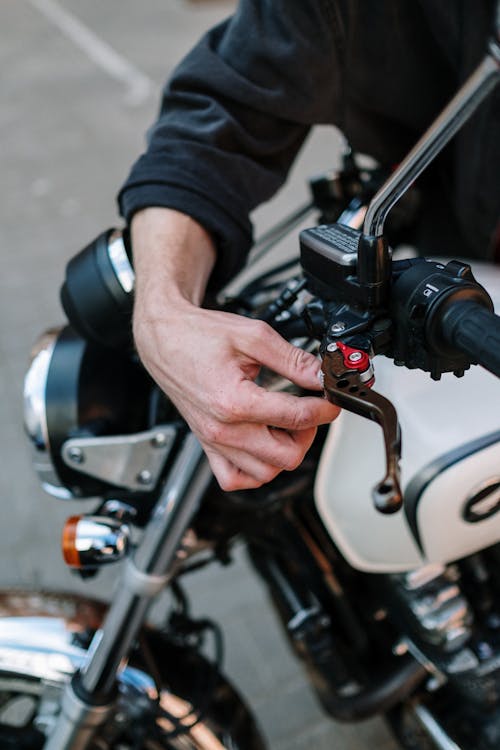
(484, 502)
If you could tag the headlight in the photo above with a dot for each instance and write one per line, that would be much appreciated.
(75, 390)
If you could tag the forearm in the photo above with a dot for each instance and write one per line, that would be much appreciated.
(173, 259)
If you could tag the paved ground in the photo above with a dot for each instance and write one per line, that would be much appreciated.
(78, 89)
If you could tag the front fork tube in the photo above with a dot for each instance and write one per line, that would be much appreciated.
(89, 698)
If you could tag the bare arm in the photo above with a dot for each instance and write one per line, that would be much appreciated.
(207, 361)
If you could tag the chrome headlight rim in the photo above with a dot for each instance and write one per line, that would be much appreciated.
(35, 384)
(50, 404)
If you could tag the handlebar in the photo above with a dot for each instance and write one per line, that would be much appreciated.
(475, 331)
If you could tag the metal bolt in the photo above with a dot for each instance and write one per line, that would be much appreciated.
(355, 357)
(159, 440)
(144, 477)
(331, 348)
(338, 327)
(76, 455)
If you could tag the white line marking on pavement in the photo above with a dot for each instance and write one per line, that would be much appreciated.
(139, 86)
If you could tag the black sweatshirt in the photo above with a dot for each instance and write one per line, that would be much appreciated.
(239, 106)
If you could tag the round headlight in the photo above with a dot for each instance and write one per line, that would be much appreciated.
(73, 389)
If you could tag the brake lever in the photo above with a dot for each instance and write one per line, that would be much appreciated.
(347, 380)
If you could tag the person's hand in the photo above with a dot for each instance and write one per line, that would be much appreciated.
(207, 361)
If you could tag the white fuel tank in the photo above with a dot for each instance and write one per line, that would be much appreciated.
(450, 468)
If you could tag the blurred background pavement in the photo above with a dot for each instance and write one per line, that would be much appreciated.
(79, 87)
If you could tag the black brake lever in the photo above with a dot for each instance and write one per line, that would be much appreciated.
(348, 376)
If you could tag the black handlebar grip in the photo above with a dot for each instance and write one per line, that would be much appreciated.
(472, 329)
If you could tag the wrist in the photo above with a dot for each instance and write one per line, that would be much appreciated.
(173, 258)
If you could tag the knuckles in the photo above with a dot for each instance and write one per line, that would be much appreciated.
(293, 462)
(228, 483)
(227, 409)
(302, 417)
(258, 331)
(213, 432)
(235, 410)
(300, 361)
(234, 481)
(295, 454)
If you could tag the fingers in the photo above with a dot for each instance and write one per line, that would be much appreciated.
(284, 450)
(208, 369)
(258, 461)
(273, 351)
(229, 476)
(249, 402)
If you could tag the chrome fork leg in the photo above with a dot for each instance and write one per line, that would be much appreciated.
(89, 697)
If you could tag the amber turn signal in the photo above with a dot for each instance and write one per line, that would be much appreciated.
(70, 552)
(91, 541)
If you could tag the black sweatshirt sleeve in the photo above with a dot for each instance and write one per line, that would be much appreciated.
(233, 117)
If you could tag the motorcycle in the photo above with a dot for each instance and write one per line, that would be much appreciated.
(380, 562)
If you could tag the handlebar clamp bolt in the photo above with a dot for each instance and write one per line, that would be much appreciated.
(338, 327)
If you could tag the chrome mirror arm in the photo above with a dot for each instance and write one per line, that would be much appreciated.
(476, 88)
